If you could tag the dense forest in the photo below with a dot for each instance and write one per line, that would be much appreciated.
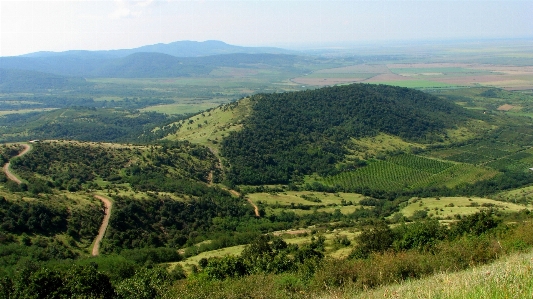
(71, 165)
(296, 133)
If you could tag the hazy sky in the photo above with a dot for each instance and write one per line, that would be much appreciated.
(46, 25)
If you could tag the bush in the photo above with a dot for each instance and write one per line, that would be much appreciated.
(475, 224)
(419, 235)
(376, 239)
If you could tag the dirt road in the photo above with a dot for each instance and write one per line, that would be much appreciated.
(108, 205)
(256, 209)
(8, 172)
(235, 193)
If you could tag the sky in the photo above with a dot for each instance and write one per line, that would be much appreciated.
(60, 25)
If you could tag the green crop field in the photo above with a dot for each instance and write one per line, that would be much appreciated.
(420, 163)
(381, 175)
(471, 158)
(396, 173)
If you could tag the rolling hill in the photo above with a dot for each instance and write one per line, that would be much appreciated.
(308, 132)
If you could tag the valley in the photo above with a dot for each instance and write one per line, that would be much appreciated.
(310, 175)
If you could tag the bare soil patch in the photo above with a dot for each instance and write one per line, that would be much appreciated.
(505, 107)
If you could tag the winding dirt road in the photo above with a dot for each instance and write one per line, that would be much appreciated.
(6, 169)
(108, 205)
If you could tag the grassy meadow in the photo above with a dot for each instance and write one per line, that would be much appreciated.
(509, 277)
(451, 207)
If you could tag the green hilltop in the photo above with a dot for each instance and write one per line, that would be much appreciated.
(308, 132)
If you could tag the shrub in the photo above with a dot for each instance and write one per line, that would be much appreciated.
(375, 239)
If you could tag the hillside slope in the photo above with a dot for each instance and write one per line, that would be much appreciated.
(296, 133)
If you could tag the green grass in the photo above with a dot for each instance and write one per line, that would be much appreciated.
(180, 108)
(448, 207)
(509, 277)
(210, 127)
(379, 144)
(295, 197)
(194, 260)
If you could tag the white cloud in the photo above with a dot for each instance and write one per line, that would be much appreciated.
(129, 8)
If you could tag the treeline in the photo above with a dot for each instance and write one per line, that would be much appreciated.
(296, 133)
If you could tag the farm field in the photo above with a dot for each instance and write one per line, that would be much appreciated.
(408, 172)
(426, 75)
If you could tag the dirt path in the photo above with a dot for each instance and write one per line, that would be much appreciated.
(256, 209)
(7, 170)
(235, 193)
(108, 205)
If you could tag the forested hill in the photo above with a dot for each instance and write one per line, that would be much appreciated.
(304, 132)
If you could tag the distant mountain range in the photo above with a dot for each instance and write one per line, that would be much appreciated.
(178, 49)
(178, 59)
